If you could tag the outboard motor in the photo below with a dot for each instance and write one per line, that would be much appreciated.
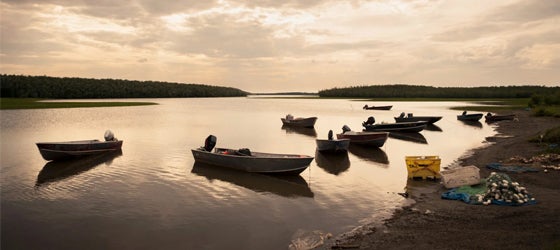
(370, 121)
(489, 114)
(209, 143)
(330, 135)
(345, 129)
(109, 136)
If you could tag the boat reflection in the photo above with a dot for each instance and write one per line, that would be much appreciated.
(473, 123)
(369, 153)
(59, 170)
(283, 185)
(300, 130)
(332, 163)
(411, 137)
(433, 127)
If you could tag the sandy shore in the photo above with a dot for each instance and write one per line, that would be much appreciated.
(435, 223)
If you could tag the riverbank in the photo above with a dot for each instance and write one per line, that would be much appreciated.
(434, 223)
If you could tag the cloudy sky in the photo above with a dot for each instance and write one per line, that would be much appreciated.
(288, 45)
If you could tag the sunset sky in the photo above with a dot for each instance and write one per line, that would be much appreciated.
(271, 46)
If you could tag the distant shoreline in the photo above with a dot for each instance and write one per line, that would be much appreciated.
(33, 103)
(38, 103)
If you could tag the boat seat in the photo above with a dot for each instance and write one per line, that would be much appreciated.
(243, 152)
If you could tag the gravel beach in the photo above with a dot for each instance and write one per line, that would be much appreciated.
(435, 223)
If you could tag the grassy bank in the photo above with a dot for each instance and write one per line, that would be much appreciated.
(495, 105)
(30, 103)
(512, 104)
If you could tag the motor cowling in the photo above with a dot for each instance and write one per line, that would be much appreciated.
(210, 143)
(109, 136)
(370, 121)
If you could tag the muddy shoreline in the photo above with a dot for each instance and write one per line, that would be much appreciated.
(434, 223)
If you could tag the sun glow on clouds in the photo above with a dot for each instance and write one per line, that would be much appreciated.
(288, 45)
(540, 56)
(68, 20)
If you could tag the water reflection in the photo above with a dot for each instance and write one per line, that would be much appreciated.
(287, 186)
(411, 137)
(476, 124)
(59, 170)
(332, 163)
(433, 127)
(300, 130)
(369, 153)
(415, 187)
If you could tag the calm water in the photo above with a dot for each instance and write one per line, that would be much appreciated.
(153, 196)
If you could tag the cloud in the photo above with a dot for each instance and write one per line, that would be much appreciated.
(502, 20)
(261, 45)
(526, 11)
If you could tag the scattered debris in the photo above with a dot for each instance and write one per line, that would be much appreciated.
(405, 194)
(308, 239)
(546, 159)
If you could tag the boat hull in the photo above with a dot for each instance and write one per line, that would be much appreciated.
(372, 139)
(264, 163)
(428, 119)
(409, 127)
(333, 146)
(469, 117)
(378, 107)
(300, 122)
(495, 118)
(52, 151)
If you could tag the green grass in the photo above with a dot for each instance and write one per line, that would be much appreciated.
(29, 103)
(553, 111)
(495, 105)
(549, 139)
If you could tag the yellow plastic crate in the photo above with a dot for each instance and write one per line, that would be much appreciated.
(423, 166)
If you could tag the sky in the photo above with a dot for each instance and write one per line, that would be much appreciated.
(288, 45)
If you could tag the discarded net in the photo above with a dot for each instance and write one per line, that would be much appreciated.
(497, 189)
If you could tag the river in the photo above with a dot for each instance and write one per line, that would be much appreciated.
(152, 195)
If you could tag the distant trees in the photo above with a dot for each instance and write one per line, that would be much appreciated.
(414, 91)
(21, 86)
(547, 104)
(547, 99)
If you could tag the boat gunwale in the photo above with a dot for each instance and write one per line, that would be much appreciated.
(259, 155)
(411, 128)
(80, 151)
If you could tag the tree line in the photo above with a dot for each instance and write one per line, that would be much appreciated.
(415, 91)
(20, 86)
